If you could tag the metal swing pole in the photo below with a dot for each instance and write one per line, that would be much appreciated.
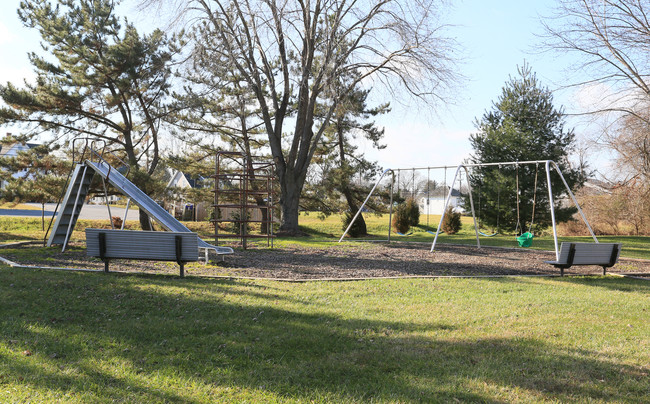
(444, 210)
(364, 203)
(428, 197)
(551, 206)
(471, 203)
(390, 209)
(575, 201)
(413, 184)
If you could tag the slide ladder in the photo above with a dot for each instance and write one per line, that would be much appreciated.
(144, 202)
(71, 206)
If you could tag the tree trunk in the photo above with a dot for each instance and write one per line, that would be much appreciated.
(290, 205)
(145, 223)
(352, 205)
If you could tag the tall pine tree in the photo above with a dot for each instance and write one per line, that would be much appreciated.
(101, 79)
(522, 125)
(338, 160)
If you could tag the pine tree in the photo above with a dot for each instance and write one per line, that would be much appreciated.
(101, 79)
(338, 157)
(522, 125)
(34, 175)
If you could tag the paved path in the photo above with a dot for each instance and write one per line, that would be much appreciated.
(87, 212)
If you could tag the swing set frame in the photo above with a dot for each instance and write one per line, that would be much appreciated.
(548, 165)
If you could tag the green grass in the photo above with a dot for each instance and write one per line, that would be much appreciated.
(330, 229)
(82, 337)
(89, 337)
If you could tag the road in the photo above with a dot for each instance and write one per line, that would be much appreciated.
(87, 212)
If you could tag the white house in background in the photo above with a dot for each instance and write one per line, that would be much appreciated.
(180, 180)
(12, 150)
(434, 204)
(178, 206)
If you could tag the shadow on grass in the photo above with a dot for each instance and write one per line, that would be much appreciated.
(117, 338)
(16, 237)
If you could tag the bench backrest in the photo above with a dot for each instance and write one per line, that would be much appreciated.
(590, 253)
(145, 245)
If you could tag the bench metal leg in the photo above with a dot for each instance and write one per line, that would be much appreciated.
(102, 250)
(178, 241)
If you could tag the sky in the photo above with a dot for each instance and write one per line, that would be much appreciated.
(496, 37)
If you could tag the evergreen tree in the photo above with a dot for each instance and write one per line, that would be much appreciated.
(522, 125)
(33, 175)
(338, 159)
(101, 79)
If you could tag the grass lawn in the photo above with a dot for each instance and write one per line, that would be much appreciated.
(93, 337)
(329, 231)
(87, 337)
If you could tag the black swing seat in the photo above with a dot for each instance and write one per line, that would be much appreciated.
(601, 254)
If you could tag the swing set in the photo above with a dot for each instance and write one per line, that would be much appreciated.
(524, 239)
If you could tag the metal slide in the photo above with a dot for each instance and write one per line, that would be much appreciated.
(145, 203)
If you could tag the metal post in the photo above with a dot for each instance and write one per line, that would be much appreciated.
(575, 201)
(108, 206)
(216, 198)
(244, 201)
(126, 212)
(444, 210)
(551, 205)
(471, 203)
(364, 203)
(390, 207)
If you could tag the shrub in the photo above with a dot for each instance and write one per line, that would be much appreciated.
(237, 225)
(358, 229)
(413, 212)
(117, 222)
(401, 220)
(451, 224)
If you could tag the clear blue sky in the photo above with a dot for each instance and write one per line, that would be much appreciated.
(496, 36)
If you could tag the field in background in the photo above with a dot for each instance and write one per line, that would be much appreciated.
(330, 230)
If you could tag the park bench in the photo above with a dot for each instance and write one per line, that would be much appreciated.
(107, 244)
(601, 254)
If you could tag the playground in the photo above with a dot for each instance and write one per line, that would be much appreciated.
(479, 317)
(181, 245)
(320, 257)
(486, 324)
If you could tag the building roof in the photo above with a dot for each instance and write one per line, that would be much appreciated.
(14, 148)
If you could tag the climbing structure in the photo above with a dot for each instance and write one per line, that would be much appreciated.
(243, 198)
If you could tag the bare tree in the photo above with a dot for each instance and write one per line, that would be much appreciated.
(630, 139)
(289, 52)
(612, 38)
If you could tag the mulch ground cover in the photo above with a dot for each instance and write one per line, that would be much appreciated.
(357, 261)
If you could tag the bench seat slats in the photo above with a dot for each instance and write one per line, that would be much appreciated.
(601, 254)
(145, 245)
